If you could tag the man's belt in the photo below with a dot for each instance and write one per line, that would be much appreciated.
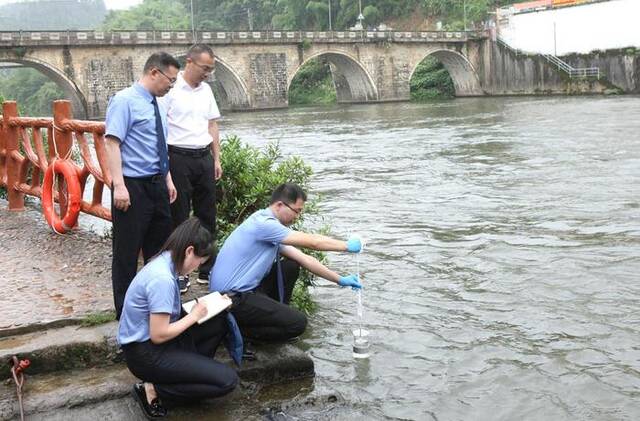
(196, 153)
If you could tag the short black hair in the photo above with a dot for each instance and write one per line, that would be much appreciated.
(190, 233)
(288, 193)
(198, 49)
(160, 60)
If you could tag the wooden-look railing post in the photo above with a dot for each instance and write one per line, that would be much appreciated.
(63, 143)
(12, 143)
(3, 154)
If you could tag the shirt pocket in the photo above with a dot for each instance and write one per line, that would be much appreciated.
(144, 119)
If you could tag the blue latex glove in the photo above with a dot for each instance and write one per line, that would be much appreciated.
(354, 245)
(350, 281)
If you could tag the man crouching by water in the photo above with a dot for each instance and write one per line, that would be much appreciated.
(249, 267)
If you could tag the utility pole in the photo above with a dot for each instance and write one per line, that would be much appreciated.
(464, 13)
(360, 15)
(555, 45)
(330, 15)
(250, 17)
(193, 26)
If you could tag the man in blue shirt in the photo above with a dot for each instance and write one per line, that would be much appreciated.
(248, 267)
(142, 188)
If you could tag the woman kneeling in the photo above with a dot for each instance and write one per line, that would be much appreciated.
(173, 356)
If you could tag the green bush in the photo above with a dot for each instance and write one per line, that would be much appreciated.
(250, 175)
(431, 80)
(313, 84)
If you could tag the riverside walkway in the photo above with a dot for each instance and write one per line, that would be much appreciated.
(49, 277)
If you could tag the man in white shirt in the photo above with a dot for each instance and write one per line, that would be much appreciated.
(194, 145)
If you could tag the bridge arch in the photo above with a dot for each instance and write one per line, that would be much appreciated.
(352, 81)
(464, 76)
(230, 91)
(68, 86)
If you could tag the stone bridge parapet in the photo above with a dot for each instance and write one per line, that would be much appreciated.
(77, 38)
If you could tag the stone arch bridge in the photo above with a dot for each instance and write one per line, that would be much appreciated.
(254, 69)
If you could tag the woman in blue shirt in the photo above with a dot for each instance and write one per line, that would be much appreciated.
(173, 355)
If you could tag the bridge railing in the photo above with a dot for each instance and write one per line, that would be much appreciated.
(28, 147)
(17, 38)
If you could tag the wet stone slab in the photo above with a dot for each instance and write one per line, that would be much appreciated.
(48, 277)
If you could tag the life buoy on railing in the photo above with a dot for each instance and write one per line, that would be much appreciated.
(68, 170)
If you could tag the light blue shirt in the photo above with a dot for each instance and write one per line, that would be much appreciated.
(153, 290)
(248, 254)
(131, 118)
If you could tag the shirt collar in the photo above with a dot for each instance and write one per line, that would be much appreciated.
(183, 84)
(142, 91)
(167, 256)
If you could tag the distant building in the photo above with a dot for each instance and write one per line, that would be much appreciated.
(562, 27)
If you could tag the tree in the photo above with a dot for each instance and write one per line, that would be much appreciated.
(371, 15)
(150, 15)
(33, 91)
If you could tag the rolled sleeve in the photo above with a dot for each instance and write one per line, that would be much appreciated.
(160, 296)
(214, 112)
(272, 231)
(118, 119)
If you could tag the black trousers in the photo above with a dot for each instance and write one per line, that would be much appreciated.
(194, 177)
(183, 370)
(144, 226)
(260, 314)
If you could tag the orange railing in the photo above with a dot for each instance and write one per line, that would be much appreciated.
(24, 158)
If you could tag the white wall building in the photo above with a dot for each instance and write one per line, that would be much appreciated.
(577, 29)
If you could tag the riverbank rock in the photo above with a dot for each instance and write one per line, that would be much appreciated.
(75, 366)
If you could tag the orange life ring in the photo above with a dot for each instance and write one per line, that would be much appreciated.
(68, 171)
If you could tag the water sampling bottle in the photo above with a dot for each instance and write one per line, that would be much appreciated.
(360, 335)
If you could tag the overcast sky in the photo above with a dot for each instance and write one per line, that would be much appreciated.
(121, 4)
(111, 4)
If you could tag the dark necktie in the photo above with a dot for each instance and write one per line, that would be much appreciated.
(233, 341)
(162, 142)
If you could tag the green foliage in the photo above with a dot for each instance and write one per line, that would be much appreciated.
(372, 15)
(33, 91)
(431, 80)
(452, 13)
(96, 319)
(250, 175)
(312, 84)
(294, 14)
(150, 15)
(306, 44)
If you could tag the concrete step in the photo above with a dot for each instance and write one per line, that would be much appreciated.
(76, 347)
(105, 393)
(76, 366)
(62, 348)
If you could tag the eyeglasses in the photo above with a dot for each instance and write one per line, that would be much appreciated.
(296, 211)
(205, 69)
(171, 80)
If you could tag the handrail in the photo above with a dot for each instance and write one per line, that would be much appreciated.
(580, 72)
(21, 172)
(573, 72)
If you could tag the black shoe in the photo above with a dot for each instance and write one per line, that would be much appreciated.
(184, 283)
(248, 355)
(152, 410)
(203, 278)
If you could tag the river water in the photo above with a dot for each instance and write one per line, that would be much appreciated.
(502, 257)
